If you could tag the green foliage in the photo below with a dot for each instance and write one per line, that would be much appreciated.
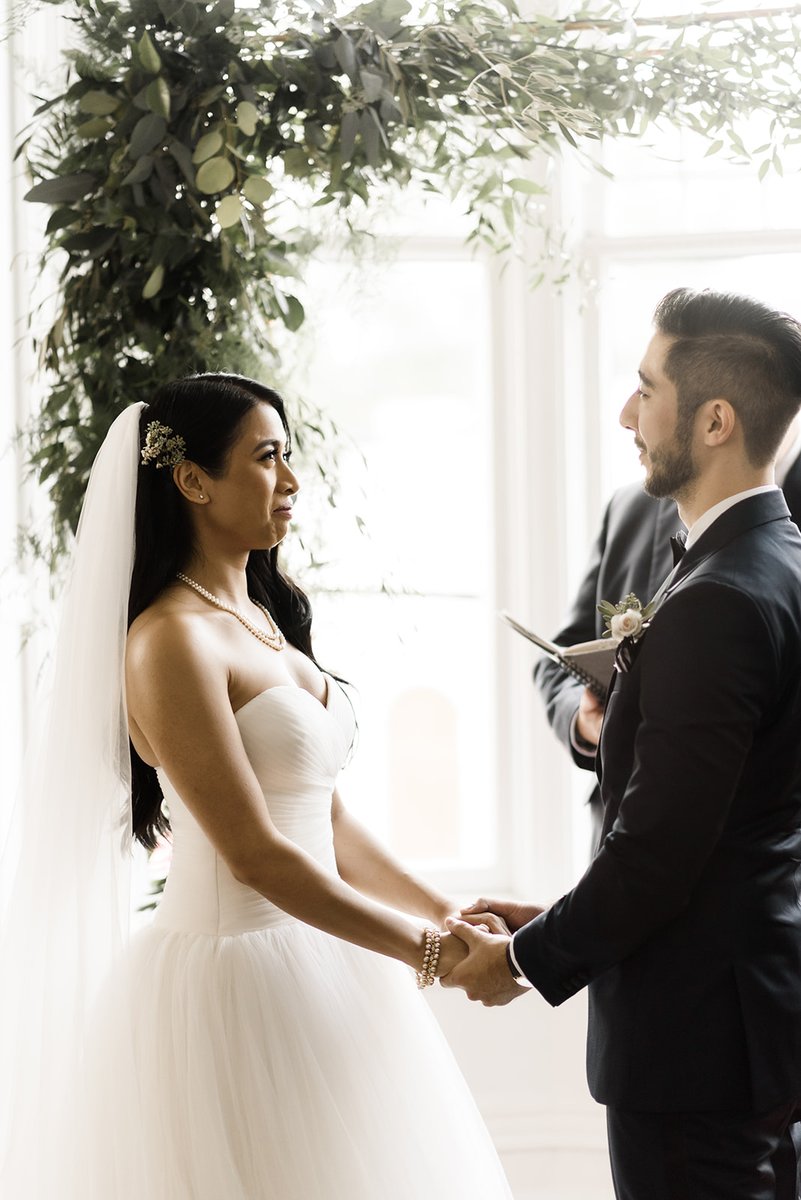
(191, 137)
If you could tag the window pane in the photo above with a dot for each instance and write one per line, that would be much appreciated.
(628, 295)
(400, 359)
(668, 183)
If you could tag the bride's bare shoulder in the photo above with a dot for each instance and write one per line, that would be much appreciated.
(172, 656)
(170, 631)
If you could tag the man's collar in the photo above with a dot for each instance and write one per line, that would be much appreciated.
(787, 461)
(750, 511)
(717, 510)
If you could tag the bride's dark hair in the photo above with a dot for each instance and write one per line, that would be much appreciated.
(207, 411)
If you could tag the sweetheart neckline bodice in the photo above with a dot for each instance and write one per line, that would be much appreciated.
(292, 687)
(295, 755)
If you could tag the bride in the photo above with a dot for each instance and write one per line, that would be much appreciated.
(262, 1038)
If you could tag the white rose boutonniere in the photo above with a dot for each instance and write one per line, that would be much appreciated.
(626, 623)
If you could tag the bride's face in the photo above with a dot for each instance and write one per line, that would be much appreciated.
(251, 504)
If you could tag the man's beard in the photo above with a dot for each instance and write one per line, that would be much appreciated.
(672, 470)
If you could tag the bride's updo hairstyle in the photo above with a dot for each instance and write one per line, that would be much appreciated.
(207, 411)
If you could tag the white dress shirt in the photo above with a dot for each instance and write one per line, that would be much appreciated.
(717, 510)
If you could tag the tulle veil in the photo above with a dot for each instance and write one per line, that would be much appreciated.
(66, 859)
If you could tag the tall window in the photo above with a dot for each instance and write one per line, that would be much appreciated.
(671, 216)
(399, 355)
(674, 217)
(488, 418)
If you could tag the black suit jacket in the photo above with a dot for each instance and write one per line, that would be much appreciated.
(687, 924)
(631, 554)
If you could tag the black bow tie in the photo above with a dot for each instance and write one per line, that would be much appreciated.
(678, 545)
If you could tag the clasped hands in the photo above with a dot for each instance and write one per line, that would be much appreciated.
(484, 929)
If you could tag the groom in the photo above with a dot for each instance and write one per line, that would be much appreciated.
(687, 924)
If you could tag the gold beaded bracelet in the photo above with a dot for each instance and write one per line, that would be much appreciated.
(428, 972)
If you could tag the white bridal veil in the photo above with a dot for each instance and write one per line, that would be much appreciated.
(66, 860)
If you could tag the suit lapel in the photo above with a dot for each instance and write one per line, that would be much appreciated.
(746, 514)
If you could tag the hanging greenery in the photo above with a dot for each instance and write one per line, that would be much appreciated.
(191, 140)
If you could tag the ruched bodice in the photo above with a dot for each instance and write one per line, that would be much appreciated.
(296, 747)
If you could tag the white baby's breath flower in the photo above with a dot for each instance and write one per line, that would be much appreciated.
(625, 624)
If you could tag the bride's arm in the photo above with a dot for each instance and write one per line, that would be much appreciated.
(177, 691)
(370, 868)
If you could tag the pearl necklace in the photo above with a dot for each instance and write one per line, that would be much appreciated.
(273, 638)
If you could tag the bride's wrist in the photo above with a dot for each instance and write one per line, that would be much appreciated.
(429, 957)
(441, 910)
(451, 953)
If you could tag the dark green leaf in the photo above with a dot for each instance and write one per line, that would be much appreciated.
(62, 218)
(222, 12)
(373, 85)
(97, 242)
(371, 140)
(99, 104)
(346, 55)
(157, 95)
(148, 54)
(147, 133)
(183, 157)
(63, 189)
(94, 128)
(170, 8)
(140, 171)
(291, 310)
(347, 135)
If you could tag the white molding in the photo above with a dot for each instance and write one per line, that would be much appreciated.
(725, 244)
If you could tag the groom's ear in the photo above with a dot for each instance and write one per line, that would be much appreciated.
(716, 421)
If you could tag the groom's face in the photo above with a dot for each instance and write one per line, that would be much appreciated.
(662, 435)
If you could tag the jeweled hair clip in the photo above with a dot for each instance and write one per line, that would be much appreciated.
(163, 446)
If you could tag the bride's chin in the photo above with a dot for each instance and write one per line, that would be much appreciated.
(271, 542)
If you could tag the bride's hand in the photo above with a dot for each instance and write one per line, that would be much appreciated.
(451, 952)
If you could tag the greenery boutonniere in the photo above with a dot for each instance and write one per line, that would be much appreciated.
(626, 621)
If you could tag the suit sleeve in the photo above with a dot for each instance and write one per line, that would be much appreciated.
(560, 692)
(708, 673)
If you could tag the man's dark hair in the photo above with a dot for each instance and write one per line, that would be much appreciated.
(734, 348)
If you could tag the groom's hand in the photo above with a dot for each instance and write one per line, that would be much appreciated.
(490, 922)
(515, 915)
(484, 974)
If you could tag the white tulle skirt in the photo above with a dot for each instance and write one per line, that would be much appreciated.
(280, 1064)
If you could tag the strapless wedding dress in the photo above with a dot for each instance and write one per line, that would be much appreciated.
(244, 1055)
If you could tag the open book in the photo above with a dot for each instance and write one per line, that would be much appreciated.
(590, 662)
